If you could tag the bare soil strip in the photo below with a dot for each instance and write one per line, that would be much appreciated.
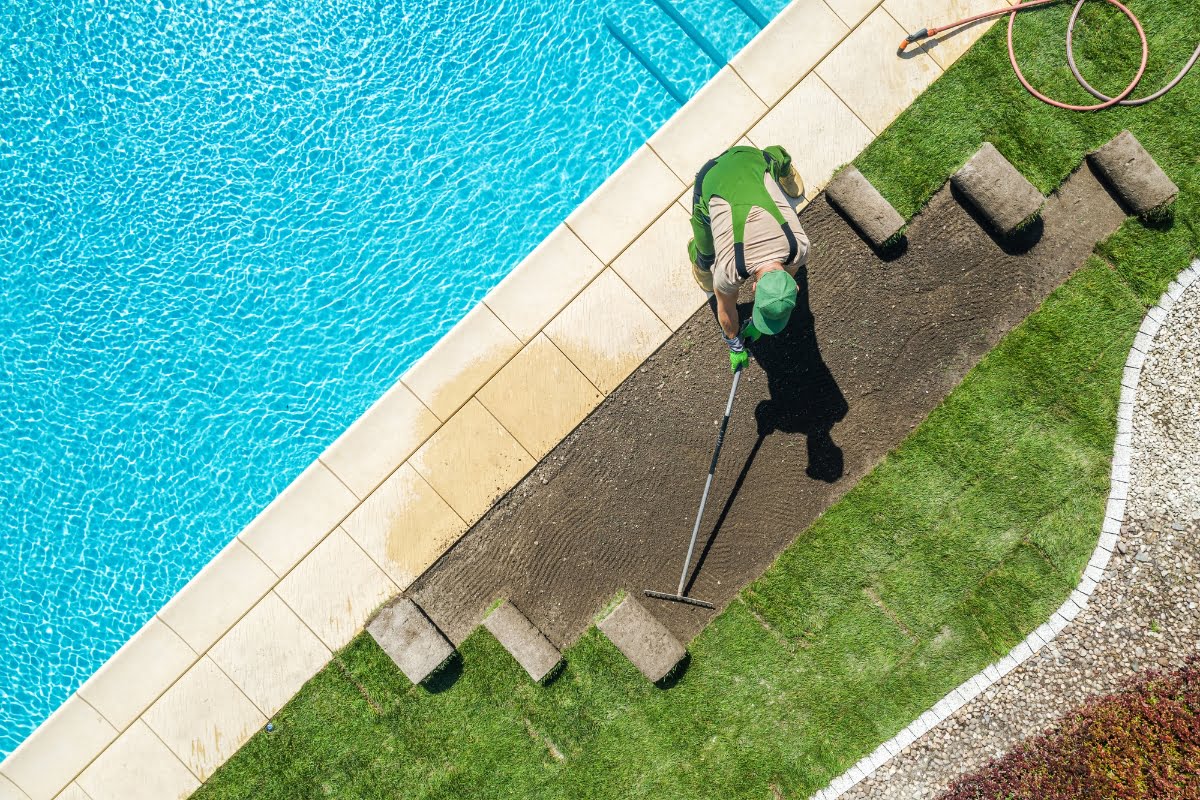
(873, 347)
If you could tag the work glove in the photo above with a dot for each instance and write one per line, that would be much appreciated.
(738, 357)
(750, 332)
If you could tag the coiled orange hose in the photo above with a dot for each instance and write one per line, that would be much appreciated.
(1105, 100)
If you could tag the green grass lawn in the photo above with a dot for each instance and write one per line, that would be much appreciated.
(962, 541)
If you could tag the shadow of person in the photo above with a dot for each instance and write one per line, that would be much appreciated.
(803, 397)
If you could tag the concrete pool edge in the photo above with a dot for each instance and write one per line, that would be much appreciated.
(499, 391)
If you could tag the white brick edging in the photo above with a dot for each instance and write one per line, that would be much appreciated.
(1110, 530)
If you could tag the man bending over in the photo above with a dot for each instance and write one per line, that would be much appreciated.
(745, 230)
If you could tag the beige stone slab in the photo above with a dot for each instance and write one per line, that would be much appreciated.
(380, 440)
(794, 42)
(58, 750)
(299, 518)
(607, 331)
(656, 268)
(72, 792)
(270, 654)
(625, 204)
(817, 128)
(543, 283)
(138, 673)
(710, 122)
(539, 396)
(404, 526)
(462, 361)
(913, 15)
(472, 461)
(137, 766)
(218, 596)
(865, 72)
(335, 589)
(853, 12)
(204, 718)
(9, 790)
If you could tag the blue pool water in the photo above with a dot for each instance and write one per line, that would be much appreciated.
(228, 227)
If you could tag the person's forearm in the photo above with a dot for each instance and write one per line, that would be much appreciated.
(727, 316)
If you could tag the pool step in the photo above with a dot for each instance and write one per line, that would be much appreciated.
(403, 631)
(523, 640)
(644, 640)
(645, 61)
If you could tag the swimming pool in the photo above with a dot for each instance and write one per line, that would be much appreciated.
(229, 227)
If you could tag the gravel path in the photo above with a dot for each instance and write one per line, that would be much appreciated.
(1144, 613)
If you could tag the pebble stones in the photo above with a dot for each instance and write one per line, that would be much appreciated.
(998, 191)
(642, 639)
(862, 204)
(1134, 175)
(522, 639)
(416, 645)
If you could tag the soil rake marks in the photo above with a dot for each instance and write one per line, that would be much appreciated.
(916, 317)
(680, 596)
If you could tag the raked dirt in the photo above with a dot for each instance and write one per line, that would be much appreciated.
(872, 348)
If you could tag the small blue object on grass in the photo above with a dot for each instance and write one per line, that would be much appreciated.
(270, 727)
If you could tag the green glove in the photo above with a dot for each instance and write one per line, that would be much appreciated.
(738, 359)
(750, 332)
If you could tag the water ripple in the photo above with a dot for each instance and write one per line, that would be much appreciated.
(228, 228)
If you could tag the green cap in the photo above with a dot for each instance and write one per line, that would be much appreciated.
(774, 299)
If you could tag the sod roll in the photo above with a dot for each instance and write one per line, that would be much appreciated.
(403, 631)
(643, 639)
(862, 204)
(1134, 175)
(998, 191)
(523, 640)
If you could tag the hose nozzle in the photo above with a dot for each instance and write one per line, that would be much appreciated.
(912, 37)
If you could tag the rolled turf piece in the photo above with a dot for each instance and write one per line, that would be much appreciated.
(416, 645)
(861, 203)
(998, 191)
(1134, 175)
(522, 639)
(644, 640)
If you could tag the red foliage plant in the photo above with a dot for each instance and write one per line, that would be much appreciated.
(1141, 742)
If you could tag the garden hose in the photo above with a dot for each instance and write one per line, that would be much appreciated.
(1105, 101)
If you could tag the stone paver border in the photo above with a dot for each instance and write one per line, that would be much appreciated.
(1110, 530)
(379, 506)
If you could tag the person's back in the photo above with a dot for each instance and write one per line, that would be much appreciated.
(745, 229)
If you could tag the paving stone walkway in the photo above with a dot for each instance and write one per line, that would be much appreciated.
(1143, 614)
